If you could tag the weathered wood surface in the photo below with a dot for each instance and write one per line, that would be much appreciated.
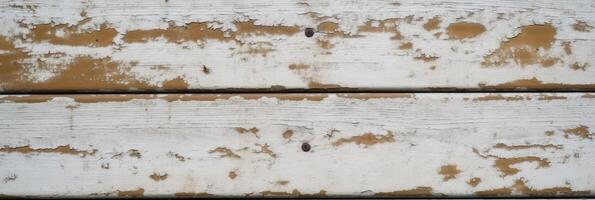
(151, 45)
(250, 144)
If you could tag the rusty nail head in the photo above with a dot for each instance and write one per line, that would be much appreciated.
(305, 147)
(309, 32)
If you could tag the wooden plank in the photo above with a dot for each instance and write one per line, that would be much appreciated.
(153, 45)
(250, 144)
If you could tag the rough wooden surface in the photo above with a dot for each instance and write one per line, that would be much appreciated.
(524, 144)
(153, 45)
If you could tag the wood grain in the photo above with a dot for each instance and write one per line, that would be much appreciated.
(506, 144)
(161, 45)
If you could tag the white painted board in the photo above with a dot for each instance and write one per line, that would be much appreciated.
(524, 144)
(180, 45)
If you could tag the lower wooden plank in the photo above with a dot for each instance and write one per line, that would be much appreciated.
(298, 145)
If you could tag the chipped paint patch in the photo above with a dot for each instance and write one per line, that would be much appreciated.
(464, 30)
(578, 66)
(282, 183)
(71, 35)
(134, 153)
(448, 172)
(432, 24)
(367, 139)
(252, 130)
(504, 165)
(138, 193)
(195, 31)
(368, 96)
(473, 182)
(495, 192)
(295, 192)
(581, 131)
(406, 45)
(524, 48)
(287, 134)
(417, 192)
(9, 178)
(500, 98)
(317, 85)
(426, 58)
(551, 97)
(169, 97)
(63, 149)
(534, 84)
(193, 194)
(567, 47)
(386, 26)
(158, 177)
(527, 146)
(225, 152)
(521, 188)
(266, 150)
(582, 26)
(298, 66)
(232, 175)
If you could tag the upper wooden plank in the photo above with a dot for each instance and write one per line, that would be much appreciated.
(161, 45)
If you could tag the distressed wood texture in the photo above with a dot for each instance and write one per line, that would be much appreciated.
(153, 45)
(250, 144)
